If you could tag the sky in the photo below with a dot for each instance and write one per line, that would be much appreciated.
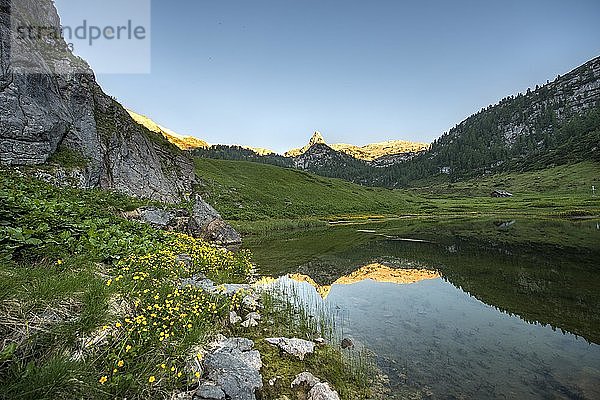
(267, 73)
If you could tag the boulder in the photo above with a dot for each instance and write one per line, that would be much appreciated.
(209, 391)
(316, 389)
(180, 220)
(234, 368)
(206, 222)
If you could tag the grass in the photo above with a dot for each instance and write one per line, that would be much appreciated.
(250, 191)
(570, 180)
(68, 158)
(91, 305)
(259, 198)
(285, 314)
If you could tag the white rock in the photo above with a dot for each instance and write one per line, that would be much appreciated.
(296, 347)
(250, 323)
(254, 315)
(234, 318)
(305, 378)
(322, 391)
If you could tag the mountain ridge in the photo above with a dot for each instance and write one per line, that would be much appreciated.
(368, 152)
(184, 142)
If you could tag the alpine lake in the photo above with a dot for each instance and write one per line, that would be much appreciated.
(456, 308)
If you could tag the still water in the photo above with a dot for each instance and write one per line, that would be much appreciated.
(474, 309)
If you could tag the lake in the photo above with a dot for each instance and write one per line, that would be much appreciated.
(457, 308)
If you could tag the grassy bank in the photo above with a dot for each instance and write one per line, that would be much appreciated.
(259, 198)
(91, 304)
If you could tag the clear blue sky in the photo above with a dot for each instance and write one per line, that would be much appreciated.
(269, 73)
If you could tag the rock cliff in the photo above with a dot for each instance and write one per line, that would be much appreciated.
(55, 104)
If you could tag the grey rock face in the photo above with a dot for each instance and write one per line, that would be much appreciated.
(55, 103)
(209, 391)
(234, 368)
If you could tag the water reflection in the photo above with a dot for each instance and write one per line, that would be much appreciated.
(375, 272)
(480, 322)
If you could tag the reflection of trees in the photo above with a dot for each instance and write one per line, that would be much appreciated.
(536, 281)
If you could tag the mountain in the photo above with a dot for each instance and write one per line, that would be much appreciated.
(181, 141)
(57, 123)
(185, 142)
(316, 138)
(239, 153)
(260, 151)
(557, 123)
(370, 152)
(374, 151)
(323, 160)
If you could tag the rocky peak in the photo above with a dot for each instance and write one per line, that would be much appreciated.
(316, 138)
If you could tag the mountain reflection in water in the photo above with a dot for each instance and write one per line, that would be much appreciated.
(481, 322)
(375, 272)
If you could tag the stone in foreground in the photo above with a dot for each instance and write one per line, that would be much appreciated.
(322, 391)
(234, 368)
(307, 379)
(209, 391)
(317, 390)
(295, 347)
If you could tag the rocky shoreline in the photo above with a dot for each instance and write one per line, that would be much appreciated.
(230, 368)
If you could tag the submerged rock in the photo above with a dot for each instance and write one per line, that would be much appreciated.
(295, 347)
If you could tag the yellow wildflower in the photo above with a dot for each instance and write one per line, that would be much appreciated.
(103, 380)
(120, 363)
(151, 379)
